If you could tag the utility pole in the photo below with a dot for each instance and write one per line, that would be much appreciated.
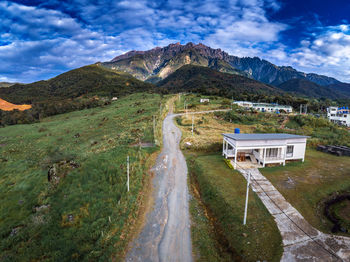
(246, 201)
(128, 179)
(300, 107)
(192, 125)
(232, 103)
(154, 128)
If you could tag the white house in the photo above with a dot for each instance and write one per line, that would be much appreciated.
(262, 149)
(264, 107)
(339, 115)
(203, 100)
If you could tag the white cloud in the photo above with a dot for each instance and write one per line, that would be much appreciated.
(328, 52)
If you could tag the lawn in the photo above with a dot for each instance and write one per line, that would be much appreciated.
(85, 213)
(217, 209)
(306, 185)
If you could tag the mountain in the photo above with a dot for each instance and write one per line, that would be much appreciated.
(209, 81)
(342, 88)
(307, 88)
(156, 64)
(6, 84)
(92, 80)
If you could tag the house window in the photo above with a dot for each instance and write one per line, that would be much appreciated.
(290, 150)
(271, 152)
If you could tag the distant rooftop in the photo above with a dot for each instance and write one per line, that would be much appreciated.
(274, 136)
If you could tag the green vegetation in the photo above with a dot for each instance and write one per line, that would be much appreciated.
(92, 80)
(320, 130)
(341, 211)
(222, 191)
(193, 103)
(85, 87)
(306, 185)
(84, 213)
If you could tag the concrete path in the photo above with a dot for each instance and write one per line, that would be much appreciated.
(301, 241)
(166, 234)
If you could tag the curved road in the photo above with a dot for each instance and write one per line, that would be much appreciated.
(166, 234)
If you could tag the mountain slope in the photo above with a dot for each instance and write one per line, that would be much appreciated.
(158, 63)
(342, 88)
(6, 84)
(208, 81)
(307, 88)
(92, 80)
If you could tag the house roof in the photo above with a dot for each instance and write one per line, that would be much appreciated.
(275, 136)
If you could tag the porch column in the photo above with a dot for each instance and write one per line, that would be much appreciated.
(235, 163)
(226, 148)
(223, 146)
(264, 152)
(284, 155)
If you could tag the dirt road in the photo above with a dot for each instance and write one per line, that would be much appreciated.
(166, 234)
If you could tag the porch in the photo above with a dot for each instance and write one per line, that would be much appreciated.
(254, 157)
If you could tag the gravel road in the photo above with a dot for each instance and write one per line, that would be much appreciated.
(166, 234)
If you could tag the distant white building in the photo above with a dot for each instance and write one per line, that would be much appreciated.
(258, 150)
(339, 115)
(264, 107)
(114, 98)
(203, 100)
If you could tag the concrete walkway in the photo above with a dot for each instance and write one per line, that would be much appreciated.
(301, 241)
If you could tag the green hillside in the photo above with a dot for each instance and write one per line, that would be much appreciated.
(84, 213)
(92, 80)
(208, 81)
(307, 88)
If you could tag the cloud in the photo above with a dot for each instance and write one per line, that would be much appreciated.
(327, 52)
(41, 40)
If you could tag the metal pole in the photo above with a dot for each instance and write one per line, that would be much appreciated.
(154, 128)
(128, 179)
(192, 125)
(246, 201)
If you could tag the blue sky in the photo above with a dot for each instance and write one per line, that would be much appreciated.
(41, 39)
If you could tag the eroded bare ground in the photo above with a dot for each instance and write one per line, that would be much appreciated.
(166, 233)
(301, 241)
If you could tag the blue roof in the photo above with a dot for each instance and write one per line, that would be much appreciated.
(274, 136)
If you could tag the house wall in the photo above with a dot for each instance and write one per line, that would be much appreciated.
(298, 152)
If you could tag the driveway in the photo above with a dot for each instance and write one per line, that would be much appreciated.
(166, 234)
(301, 241)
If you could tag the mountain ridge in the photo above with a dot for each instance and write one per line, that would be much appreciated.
(151, 62)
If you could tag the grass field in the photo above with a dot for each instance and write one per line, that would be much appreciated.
(306, 185)
(192, 102)
(88, 215)
(217, 231)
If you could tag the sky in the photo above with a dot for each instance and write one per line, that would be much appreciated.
(41, 39)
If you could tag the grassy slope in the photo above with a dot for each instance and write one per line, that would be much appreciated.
(223, 192)
(321, 175)
(92, 80)
(208, 81)
(95, 193)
